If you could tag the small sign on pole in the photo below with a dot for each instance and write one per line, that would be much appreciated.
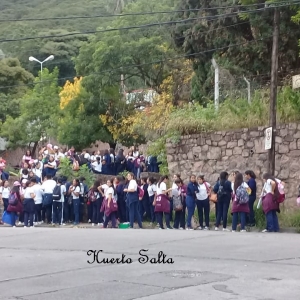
(296, 82)
(268, 139)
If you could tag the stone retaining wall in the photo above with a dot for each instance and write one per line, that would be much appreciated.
(212, 153)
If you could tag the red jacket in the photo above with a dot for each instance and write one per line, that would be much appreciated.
(162, 204)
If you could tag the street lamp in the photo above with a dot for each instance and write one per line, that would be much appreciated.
(31, 58)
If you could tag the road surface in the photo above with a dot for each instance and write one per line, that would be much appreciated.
(51, 264)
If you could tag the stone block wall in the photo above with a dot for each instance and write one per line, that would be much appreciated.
(243, 149)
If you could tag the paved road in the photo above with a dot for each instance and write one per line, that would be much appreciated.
(51, 264)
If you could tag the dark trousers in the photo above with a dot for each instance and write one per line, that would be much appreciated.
(68, 211)
(235, 220)
(57, 212)
(112, 218)
(28, 216)
(191, 209)
(90, 211)
(76, 206)
(122, 210)
(251, 215)
(182, 218)
(171, 209)
(38, 212)
(97, 215)
(81, 208)
(152, 213)
(5, 203)
(178, 218)
(144, 207)
(159, 218)
(21, 217)
(272, 221)
(134, 213)
(203, 206)
(48, 213)
(223, 207)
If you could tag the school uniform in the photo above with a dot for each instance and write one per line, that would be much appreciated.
(202, 203)
(121, 203)
(151, 192)
(48, 187)
(132, 202)
(28, 206)
(192, 189)
(76, 205)
(252, 198)
(38, 202)
(144, 203)
(162, 206)
(58, 206)
(180, 214)
(5, 192)
(110, 210)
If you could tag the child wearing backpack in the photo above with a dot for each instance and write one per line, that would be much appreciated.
(59, 193)
(240, 206)
(109, 206)
(270, 203)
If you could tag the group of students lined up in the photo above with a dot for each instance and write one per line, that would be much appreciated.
(108, 163)
(129, 200)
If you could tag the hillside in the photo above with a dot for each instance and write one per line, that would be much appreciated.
(62, 48)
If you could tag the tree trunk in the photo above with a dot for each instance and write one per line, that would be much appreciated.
(34, 149)
(112, 145)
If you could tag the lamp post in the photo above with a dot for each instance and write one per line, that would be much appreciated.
(31, 58)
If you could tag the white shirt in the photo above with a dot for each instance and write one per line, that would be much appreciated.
(87, 156)
(5, 191)
(175, 191)
(77, 190)
(59, 155)
(132, 185)
(97, 167)
(151, 190)
(109, 190)
(28, 191)
(93, 158)
(53, 163)
(48, 186)
(112, 158)
(202, 195)
(104, 188)
(37, 189)
(63, 190)
(268, 186)
(135, 154)
(162, 187)
(37, 172)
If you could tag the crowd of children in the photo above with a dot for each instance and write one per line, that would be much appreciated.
(33, 201)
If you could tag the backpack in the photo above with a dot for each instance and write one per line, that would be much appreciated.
(13, 199)
(141, 193)
(221, 191)
(57, 193)
(177, 203)
(91, 195)
(242, 195)
(75, 165)
(281, 196)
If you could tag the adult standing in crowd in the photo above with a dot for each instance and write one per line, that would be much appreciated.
(132, 200)
(48, 188)
(223, 190)
(250, 179)
(202, 202)
(192, 190)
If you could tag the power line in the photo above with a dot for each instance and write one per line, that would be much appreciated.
(173, 38)
(144, 64)
(208, 18)
(139, 13)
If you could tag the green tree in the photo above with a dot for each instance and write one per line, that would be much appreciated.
(39, 109)
(245, 40)
(14, 82)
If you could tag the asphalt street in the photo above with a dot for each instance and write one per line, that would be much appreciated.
(51, 263)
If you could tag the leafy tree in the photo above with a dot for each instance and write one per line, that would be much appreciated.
(38, 112)
(14, 82)
(245, 40)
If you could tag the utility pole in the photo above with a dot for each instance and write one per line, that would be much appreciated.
(273, 91)
(248, 89)
(217, 93)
